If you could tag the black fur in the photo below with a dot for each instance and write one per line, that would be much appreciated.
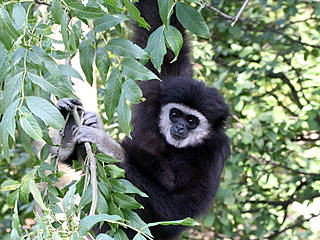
(149, 11)
(180, 182)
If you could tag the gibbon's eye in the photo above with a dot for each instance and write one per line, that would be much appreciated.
(192, 121)
(175, 114)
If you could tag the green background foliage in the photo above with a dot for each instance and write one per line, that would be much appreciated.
(266, 66)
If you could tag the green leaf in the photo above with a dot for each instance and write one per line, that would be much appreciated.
(33, 57)
(174, 39)
(15, 234)
(120, 235)
(56, 11)
(89, 221)
(135, 70)
(125, 48)
(29, 124)
(87, 53)
(102, 206)
(156, 47)
(105, 158)
(135, 221)
(4, 140)
(125, 201)
(185, 222)
(8, 33)
(12, 198)
(112, 94)
(131, 188)
(82, 11)
(8, 119)
(64, 30)
(68, 201)
(135, 14)
(192, 20)
(103, 63)
(45, 111)
(46, 85)
(19, 15)
(103, 236)
(117, 186)
(69, 71)
(86, 198)
(138, 236)
(45, 132)
(25, 189)
(132, 91)
(124, 115)
(36, 194)
(9, 185)
(108, 21)
(166, 10)
(12, 87)
(114, 171)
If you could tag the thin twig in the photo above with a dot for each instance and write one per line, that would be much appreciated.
(220, 12)
(286, 80)
(240, 12)
(93, 167)
(233, 19)
(298, 223)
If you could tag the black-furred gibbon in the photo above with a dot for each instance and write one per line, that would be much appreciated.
(178, 146)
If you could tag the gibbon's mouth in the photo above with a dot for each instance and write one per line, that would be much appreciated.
(178, 137)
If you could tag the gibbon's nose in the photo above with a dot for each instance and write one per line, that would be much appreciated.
(179, 131)
(180, 128)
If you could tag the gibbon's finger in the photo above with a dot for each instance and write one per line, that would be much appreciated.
(75, 101)
(90, 120)
(68, 103)
(83, 135)
(64, 106)
(91, 123)
(81, 130)
(88, 115)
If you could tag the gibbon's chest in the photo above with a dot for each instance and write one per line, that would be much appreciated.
(177, 170)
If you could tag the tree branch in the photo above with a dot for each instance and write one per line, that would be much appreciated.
(93, 167)
(287, 81)
(220, 12)
(233, 19)
(282, 105)
(240, 12)
(298, 223)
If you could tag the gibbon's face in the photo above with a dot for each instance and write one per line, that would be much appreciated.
(183, 126)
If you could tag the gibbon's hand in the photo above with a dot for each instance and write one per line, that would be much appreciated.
(91, 119)
(67, 141)
(65, 105)
(88, 134)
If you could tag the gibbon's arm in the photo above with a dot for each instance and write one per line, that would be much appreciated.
(92, 131)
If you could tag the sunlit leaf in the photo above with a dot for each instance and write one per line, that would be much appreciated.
(45, 111)
(192, 20)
